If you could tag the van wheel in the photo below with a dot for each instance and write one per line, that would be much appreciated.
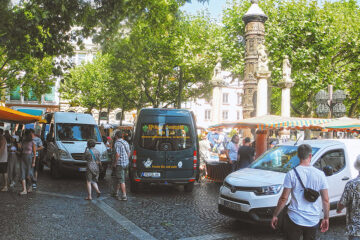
(134, 187)
(189, 187)
(54, 170)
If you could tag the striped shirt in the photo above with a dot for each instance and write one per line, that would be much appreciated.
(123, 150)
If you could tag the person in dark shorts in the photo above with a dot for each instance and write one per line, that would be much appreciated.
(3, 159)
(27, 162)
(246, 154)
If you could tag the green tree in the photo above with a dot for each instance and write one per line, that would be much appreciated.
(89, 85)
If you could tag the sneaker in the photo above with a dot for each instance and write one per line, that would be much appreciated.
(123, 198)
(23, 193)
(4, 189)
(34, 186)
(12, 184)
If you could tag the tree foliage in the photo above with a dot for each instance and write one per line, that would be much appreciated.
(321, 40)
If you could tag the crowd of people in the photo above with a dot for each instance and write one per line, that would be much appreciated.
(20, 159)
(236, 154)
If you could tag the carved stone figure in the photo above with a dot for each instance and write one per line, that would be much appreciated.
(262, 59)
(286, 69)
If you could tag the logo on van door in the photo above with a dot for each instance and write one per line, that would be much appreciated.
(148, 163)
(180, 164)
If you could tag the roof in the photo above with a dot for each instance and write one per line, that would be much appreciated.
(165, 111)
(13, 116)
(274, 122)
(71, 117)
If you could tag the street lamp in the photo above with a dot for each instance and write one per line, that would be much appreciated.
(330, 103)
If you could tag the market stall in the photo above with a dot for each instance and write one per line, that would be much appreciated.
(218, 170)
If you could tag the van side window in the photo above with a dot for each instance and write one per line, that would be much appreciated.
(334, 159)
(165, 137)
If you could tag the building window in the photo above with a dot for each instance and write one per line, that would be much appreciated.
(238, 99)
(207, 114)
(238, 115)
(225, 115)
(225, 98)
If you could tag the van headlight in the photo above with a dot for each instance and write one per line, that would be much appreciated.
(64, 154)
(268, 190)
(104, 156)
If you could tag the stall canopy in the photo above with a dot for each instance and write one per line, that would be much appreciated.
(275, 122)
(343, 123)
(13, 116)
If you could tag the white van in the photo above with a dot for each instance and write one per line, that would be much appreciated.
(251, 194)
(65, 138)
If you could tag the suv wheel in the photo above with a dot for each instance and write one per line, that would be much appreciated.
(189, 187)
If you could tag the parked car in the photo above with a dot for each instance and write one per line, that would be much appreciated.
(66, 140)
(251, 194)
(165, 148)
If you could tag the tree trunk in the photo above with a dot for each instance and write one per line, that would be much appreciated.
(180, 89)
(99, 115)
(121, 115)
(108, 113)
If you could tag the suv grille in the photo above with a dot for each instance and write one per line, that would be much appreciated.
(78, 156)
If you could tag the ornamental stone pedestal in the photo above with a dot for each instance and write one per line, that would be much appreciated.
(254, 20)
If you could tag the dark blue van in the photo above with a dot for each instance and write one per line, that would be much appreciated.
(165, 148)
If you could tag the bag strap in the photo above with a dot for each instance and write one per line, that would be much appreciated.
(297, 175)
(92, 154)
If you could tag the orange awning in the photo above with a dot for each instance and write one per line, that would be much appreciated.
(13, 116)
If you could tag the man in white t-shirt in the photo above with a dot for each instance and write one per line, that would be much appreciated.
(302, 218)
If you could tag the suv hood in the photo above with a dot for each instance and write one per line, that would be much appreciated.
(249, 177)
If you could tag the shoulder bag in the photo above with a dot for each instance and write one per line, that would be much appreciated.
(310, 195)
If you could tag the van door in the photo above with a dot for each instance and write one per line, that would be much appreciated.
(180, 146)
(340, 173)
(151, 158)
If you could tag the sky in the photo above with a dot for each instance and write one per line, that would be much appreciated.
(214, 7)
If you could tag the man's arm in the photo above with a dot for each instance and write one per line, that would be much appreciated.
(280, 206)
(324, 226)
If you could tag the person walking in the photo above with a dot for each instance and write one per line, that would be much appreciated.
(27, 162)
(351, 200)
(3, 159)
(204, 151)
(246, 154)
(92, 157)
(120, 164)
(232, 152)
(39, 146)
(302, 218)
(13, 162)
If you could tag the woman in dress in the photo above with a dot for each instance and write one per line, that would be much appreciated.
(27, 161)
(92, 157)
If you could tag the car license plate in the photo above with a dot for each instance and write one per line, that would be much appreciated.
(151, 174)
(232, 205)
(83, 169)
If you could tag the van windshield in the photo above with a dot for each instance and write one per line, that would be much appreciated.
(279, 159)
(77, 132)
(165, 137)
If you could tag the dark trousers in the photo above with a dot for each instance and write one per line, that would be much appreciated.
(294, 231)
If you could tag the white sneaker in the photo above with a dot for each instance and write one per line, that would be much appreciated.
(12, 184)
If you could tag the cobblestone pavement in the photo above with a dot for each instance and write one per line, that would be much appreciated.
(58, 211)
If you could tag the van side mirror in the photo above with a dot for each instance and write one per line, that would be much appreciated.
(328, 170)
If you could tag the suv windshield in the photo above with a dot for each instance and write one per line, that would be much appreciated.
(165, 137)
(279, 159)
(77, 132)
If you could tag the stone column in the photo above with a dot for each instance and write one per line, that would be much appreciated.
(254, 35)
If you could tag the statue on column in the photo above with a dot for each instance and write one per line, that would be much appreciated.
(262, 59)
(286, 70)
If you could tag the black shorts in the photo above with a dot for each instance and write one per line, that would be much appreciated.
(3, 167)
